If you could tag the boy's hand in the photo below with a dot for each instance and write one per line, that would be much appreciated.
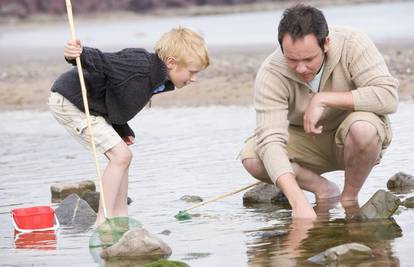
(73, 49)
(129, 140)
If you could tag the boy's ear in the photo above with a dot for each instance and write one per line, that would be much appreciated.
(171, 62)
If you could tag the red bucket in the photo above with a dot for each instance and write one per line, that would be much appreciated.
(39, 218)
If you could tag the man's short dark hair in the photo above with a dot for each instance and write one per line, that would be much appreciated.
(301, 20)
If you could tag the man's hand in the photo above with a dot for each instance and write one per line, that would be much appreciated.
(72, 50)
(317, 105)
(297, 200)
(313, 114)
(129, 140)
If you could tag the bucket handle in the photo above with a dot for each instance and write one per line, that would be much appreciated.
(55, 226)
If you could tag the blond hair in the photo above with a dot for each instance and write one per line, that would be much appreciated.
(183, 44)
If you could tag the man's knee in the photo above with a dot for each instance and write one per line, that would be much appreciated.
(255, 167)
(362, 135)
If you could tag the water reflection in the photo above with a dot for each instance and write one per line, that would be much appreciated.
(300, 239)
(43, 240)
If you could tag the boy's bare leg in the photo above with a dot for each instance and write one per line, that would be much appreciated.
(119, 160)
(121, 203)
(361, 150)
(307, 180)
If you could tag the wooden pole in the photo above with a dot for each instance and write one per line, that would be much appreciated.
(86, 106)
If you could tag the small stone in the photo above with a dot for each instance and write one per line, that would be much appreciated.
(271, 234)
(342, 253)
(190, 198)
(409, 202)
(165, 232)
(400, 180)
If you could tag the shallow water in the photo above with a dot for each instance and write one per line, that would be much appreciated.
(183, 151)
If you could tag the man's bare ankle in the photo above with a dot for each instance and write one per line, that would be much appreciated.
(348, 201)
(331, 190)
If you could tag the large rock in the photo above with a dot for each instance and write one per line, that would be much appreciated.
(76, 212)
(264, 193)
(381, 205)
(400, 180)
(138, 243)
(343, 253)
(62, 190)
(93, 199)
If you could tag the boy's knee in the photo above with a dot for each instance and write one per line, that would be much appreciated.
(120, 155)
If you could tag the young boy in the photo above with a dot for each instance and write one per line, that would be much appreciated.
(119, 85)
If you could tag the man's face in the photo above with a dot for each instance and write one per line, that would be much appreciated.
(304, 56)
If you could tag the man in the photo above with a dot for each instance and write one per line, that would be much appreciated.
(321, 101)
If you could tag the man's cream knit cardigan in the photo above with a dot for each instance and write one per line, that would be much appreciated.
(353, 64)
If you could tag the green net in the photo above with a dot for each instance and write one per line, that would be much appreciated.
(111, 230)
(183, 215)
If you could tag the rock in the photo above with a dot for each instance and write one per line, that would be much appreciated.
(190, 198)
(93, 199)
(400, 180)
(343, 253)
(129, 200)
(138, 243)
(165, 232)
(270, 234)
(409, 202)
(381, 205)
(62, 190)
(76, 212)
(264, 193)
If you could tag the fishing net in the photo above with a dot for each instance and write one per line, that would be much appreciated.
(111, 231)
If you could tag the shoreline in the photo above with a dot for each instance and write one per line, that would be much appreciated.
(25, 83)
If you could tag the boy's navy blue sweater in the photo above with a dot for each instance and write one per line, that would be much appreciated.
(118, 84)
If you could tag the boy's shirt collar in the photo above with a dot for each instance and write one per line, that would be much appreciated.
(159, 75)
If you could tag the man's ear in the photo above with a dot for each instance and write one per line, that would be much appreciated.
(326, 44)
(171, 62)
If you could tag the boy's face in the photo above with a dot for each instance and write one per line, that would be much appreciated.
(181, 76)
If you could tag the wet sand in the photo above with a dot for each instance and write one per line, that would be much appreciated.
(26, 76)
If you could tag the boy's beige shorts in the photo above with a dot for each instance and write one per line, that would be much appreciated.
(74, 121)
(324, 153)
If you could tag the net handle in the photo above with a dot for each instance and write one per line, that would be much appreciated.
(86, 106)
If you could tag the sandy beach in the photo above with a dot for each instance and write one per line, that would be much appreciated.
(25, 82)
(27, 72)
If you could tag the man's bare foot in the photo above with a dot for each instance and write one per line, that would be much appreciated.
(330, 190)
